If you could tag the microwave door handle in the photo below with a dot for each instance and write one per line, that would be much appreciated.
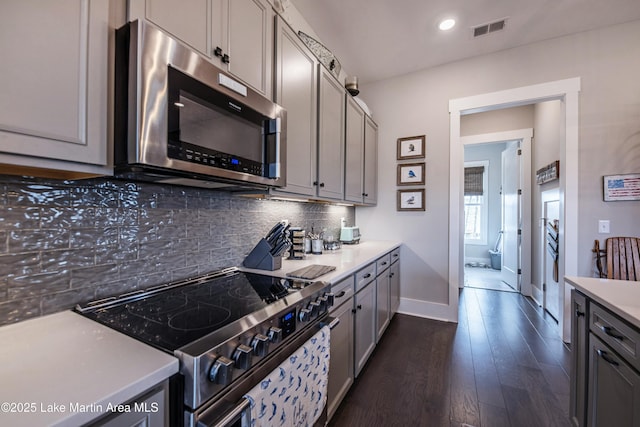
(276, 167)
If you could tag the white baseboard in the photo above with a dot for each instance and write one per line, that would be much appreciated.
(426, 309)
(536, 294)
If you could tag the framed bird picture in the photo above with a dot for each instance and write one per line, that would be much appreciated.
(411, 200)
(411, 174)
(411, 147)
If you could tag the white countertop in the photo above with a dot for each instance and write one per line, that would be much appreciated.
(620, 296)
(347, 260)
(57, 362)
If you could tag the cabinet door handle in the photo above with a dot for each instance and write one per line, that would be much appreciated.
(359, 306)
(217, 51)
(391, 275)
(366, 276)
(322, 184)
(341, 294)
(579, 313)
(607, 358)
(226, 59)
(612, 333)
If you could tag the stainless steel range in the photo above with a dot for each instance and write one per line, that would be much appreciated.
(228, 329)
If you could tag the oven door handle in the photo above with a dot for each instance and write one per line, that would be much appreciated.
(331, 322)
(242, 413)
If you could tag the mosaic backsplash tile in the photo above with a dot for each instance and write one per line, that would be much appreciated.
(69, 242)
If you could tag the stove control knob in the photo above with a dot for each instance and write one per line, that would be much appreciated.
(304, 315)
(314, 307)
(260, 344)
(330, 296)
(275, 334)
(324, 304)
(242, 356)
(221, 371)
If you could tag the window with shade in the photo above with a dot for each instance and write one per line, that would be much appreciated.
(475, 202)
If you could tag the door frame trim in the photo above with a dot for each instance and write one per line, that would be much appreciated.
(567, 91)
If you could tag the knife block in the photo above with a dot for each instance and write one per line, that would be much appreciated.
(260, 257)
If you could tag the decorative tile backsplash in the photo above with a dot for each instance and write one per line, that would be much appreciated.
(68, 242)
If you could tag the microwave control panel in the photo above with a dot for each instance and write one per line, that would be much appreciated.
(204, 156)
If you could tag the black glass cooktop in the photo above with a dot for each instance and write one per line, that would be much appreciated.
(178, 316)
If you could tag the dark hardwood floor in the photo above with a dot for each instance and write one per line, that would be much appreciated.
(503, 364)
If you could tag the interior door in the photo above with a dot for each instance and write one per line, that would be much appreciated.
(511, 216)
(551, 287)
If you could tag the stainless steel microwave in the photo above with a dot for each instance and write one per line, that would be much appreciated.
(181, 120)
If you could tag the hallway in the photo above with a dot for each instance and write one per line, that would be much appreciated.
(503, 364)
(485, 278)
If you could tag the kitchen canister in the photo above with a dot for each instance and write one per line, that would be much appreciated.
(316, 246)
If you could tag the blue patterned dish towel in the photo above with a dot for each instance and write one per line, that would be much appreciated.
(295, 393)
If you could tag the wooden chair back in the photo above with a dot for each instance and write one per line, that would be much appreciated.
(623, 258)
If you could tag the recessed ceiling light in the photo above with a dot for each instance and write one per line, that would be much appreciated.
(447, 24)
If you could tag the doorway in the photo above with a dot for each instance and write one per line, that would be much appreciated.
(512, 263)
(565, 90)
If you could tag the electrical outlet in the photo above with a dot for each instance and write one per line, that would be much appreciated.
(603, 226)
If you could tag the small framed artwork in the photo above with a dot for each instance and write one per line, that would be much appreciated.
(411, 147)
(621, 187)
(548, 173)
(411, 200)
(411, 174)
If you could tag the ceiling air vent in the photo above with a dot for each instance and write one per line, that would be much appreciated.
(491, 27)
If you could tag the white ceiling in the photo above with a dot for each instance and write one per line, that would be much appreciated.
(378, 39)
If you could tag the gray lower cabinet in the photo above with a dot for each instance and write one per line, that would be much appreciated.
(394, 288)
(148, 410)
(579, 365)
(382, 295)
(365, 325)
(605, 372)
(614, 388)
(341, 361)
(363, 303)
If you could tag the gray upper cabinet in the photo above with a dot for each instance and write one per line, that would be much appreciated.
(54, 106)
(189, 22)
(246, 39)
(331, 119)
(296, 90)
(354, 163)
(370, 162)
(236, 35)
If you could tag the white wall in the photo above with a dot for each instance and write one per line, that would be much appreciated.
(549, 131)
(608, 63)
(497, 120)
